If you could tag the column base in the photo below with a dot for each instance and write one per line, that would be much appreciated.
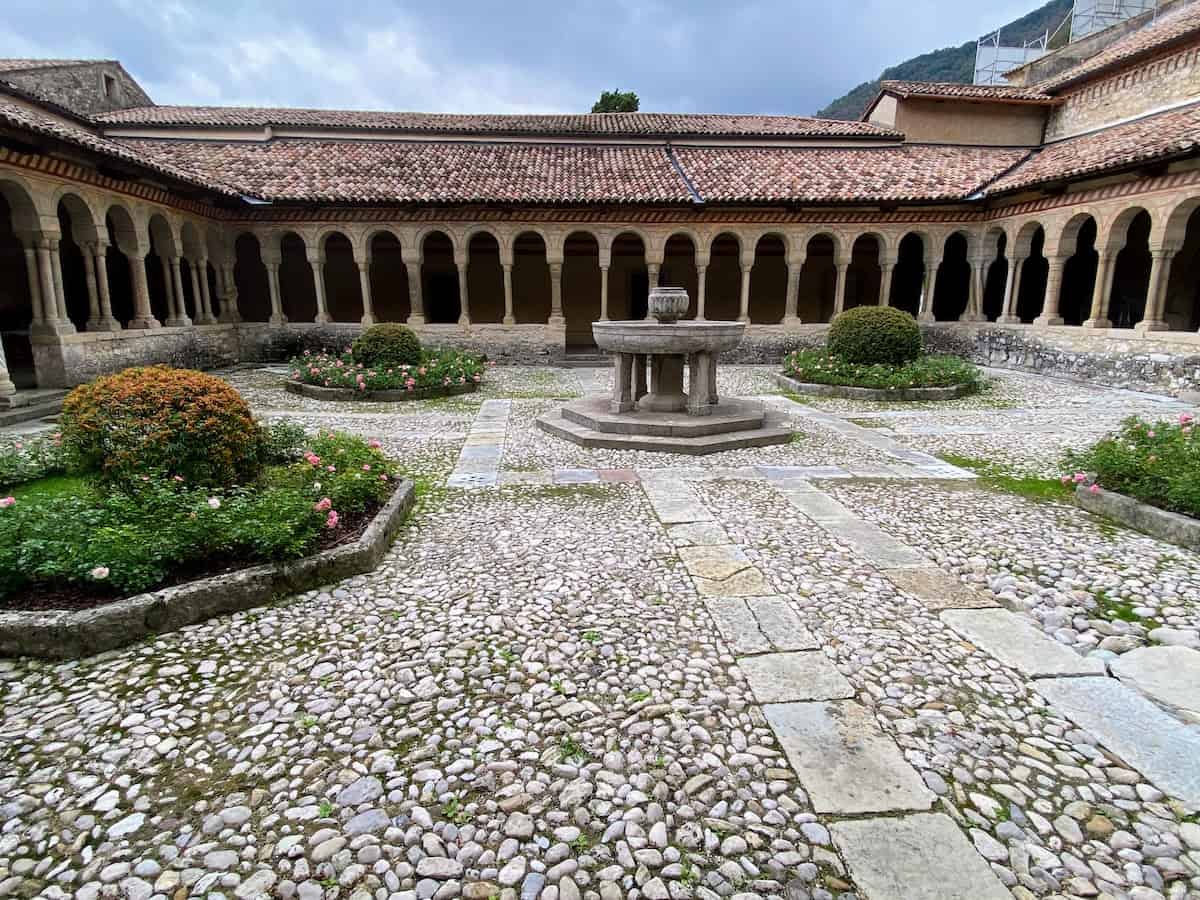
(1152, 325)
(1045, 321)
(415, 319)
(557, 321)
(464, 321)
(790, 321)
(367, 321)
(745, 319)
(1008, 320)
(142, 323)
(206, 320)
(973, 317)
(279, 319)
(109, 324)
(1097, 323)
(923, 317)
(8, 391)
(232, 318)
(178, 323)
(323, 318)
(508, 321)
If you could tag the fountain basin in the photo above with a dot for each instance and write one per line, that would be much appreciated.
(681, 338)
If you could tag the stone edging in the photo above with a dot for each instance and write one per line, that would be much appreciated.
(847, 392)
(316, 392)
(71, 634)
(1159, 523)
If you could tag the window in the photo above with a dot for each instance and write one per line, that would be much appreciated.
(110, 87)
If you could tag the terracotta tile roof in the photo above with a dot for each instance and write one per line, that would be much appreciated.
(835, 175)
(470, 172)
(1002, 92)
(1178, 24)
(21, 116)
(352, 171)
(592, 124)
(1161, 136)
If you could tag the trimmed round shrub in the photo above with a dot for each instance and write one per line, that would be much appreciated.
(388, 344)
(872, 335)
(158, 419)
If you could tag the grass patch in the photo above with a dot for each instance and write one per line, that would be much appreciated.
(1001, 478)
(1121, 610)
(53, 487)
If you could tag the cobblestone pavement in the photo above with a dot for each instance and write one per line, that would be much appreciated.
(834, 668)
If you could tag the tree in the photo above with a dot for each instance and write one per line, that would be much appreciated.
(616, 101)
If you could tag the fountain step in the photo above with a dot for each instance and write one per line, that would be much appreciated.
(700, 445)
(730, 415)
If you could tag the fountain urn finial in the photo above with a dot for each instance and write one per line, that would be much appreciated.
(668, 304)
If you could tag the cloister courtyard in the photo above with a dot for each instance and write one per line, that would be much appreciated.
(774, 672)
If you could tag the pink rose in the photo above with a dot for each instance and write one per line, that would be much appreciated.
(331, 520)
(374, 444)
(323, 504)
(1095, 489)
(6, 502)
(366, 468)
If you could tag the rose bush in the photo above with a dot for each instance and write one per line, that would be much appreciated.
(438, 370)
(820, 367)
(1154, 462)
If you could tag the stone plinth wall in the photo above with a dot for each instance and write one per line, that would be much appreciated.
(1162, 362)
(77, 358)
(769, 344)
(517, 344)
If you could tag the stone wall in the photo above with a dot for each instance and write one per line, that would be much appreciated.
(1162, 362)
(1163, 81)
(81, 88)
(519, 344)
(77, 358)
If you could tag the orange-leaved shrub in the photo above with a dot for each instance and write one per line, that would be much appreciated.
(158, 419)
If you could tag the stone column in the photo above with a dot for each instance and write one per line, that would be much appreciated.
(1153, 319)
(791, 303)
(701, 289)
(928, 280)
(556, 305)
(277, 316)
(654, 273)
(604, 293)
(416, 298)
(1050, 301)
(143, 318)
(510, 318)
(207, 316)
(197, 297)
(229, 295)
(699, 402)
(974, 310)
(839, 290)
(364, 282)
(318, 269)
(89, 274)
(1012, 287)
(51, 323)
(181, 315)
(7, 388)
(106, 321)
(60, 293)
(168, 289)
(622, 396)
(35, 285)
(1101, 292)
(464, 299)
(886, 268)
(639, 376)
(744, 307)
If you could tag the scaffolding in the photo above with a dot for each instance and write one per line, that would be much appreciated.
(993, 58)
(1091, 16)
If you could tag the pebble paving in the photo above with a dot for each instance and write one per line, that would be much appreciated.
(782, 672)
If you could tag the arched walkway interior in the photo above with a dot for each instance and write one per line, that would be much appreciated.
(951, 291)
(1183, 287)
(679, 269)
(389, 279)
(995, 280)
(1079, 276)
(298, 293)
(628, 279)
(818, 281)
(16, 305)
(1034, 271)
(580, 284)
(1131, 275)
(250, 276)
(908, 279)
(768, 281)
(863, 274)
(439, 277)
(723, 280)
(343, 288)
(485, 279)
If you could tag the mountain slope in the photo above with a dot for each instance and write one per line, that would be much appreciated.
(949, 63)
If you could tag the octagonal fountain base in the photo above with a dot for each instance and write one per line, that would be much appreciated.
(731, 425)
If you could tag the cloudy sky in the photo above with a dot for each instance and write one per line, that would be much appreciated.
(765, 56)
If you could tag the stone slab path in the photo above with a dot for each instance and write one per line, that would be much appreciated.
(1015, 641)
(479, 461)
(1170, 675)
(1156, 744)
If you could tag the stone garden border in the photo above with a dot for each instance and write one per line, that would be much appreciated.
(72, 634)
(316, 392)
(848, 392)
(1171, 527)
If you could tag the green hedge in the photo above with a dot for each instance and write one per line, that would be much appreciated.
(870, 335)
(387, 344)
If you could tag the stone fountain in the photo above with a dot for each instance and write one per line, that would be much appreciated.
(656, 413)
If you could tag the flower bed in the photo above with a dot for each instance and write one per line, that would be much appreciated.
(83, 542)
(340, 376)
(925, 378)
(1156, 463)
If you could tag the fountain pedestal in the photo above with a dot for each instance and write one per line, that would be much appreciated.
(660, 415)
